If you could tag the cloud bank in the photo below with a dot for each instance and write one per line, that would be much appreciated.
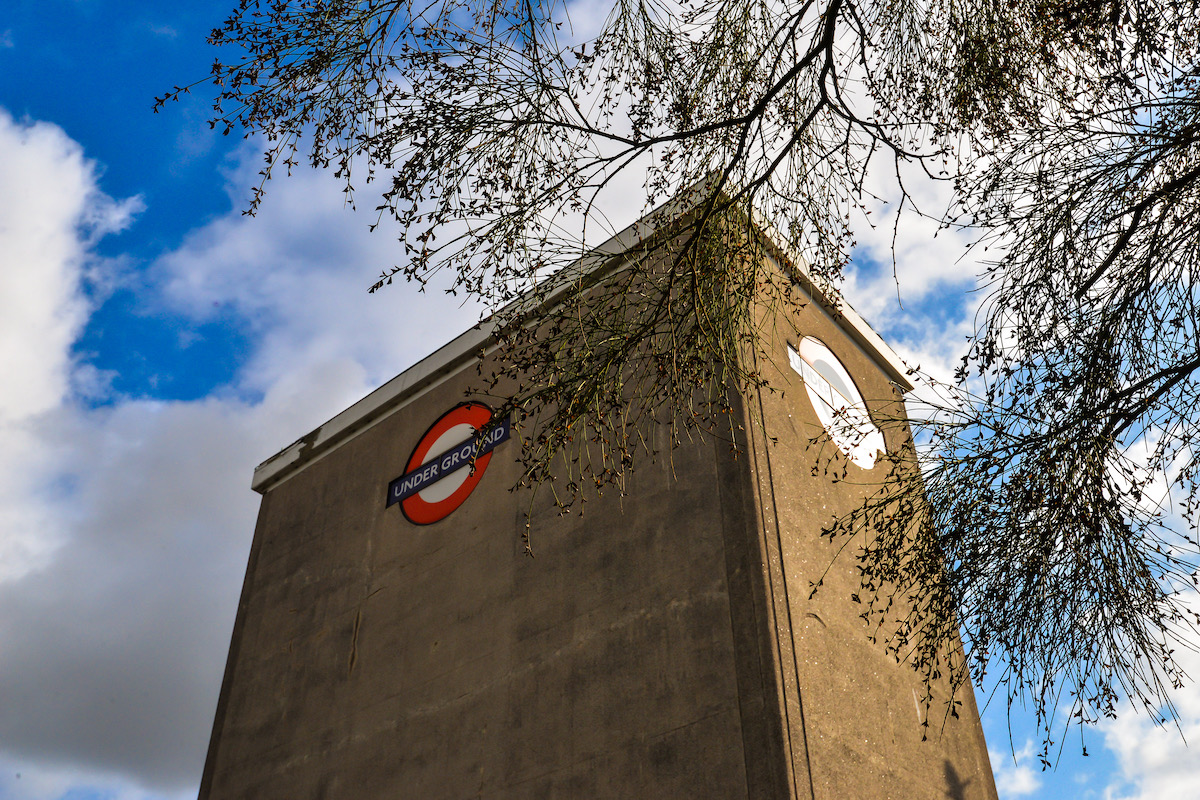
(125, 525)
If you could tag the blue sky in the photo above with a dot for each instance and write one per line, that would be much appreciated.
(156, 344)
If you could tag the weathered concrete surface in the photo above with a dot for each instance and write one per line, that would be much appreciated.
(853, 715)
(661, 646)
(376, 658)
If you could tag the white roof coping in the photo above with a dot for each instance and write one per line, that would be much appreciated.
(829, 297)
(463, 349)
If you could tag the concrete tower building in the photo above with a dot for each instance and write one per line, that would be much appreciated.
(393, 639)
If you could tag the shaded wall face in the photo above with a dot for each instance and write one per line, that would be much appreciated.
(374, 657)
(853, 715)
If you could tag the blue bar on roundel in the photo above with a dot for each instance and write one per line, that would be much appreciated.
(445, 463)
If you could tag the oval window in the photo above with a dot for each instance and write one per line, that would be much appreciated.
(837, 402)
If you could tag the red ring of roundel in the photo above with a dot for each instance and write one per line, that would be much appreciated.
(416, 510)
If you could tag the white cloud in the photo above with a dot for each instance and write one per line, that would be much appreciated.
(97, 653)
(587, 17)
(907, 259)
(124, 529)
(1016, 773)
(50, 212)
(1160, 762)
(112, 653)
(297, 273)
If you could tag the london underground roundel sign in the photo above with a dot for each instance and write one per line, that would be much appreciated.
(447, 463)
(837, 401)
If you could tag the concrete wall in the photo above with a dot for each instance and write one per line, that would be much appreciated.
(375, 658)
(852, 713)
(662, 646)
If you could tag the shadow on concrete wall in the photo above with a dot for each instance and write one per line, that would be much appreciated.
(956, 787)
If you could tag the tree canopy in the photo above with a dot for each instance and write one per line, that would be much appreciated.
(1053, 511)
